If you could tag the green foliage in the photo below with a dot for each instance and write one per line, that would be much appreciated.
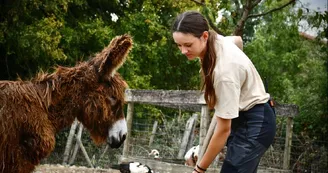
(155, 56)
(295, 69)
(36, 35)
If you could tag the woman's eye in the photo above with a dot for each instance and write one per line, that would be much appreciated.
(188, 45)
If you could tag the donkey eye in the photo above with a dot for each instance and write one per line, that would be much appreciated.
(112, 100)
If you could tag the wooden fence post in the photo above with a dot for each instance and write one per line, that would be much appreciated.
(203, 129)
(129, 118)
(76, 148)
(186, 135)
(192, 135)
(69, 142)
(78, 140)
(153, 133)
(103, 153)
(288, 142)
(207, 139)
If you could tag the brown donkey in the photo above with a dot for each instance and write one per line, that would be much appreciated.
(32, 112)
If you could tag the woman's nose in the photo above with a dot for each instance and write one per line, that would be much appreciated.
(184, 50)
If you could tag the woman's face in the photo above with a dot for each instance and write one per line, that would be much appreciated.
(190, 45)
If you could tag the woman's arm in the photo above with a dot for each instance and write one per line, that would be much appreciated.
(237, 40)
(217, 142)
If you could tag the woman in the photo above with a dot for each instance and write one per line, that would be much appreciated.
(234, 89)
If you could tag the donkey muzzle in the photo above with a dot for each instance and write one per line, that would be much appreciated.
(117, 134)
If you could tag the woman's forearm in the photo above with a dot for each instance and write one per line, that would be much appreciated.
(217, 142)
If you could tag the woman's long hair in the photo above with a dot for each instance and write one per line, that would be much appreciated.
(192, 22)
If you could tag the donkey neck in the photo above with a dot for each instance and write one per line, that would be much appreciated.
(65, 88)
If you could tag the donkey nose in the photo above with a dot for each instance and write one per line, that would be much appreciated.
(117, 134)
(114, 142)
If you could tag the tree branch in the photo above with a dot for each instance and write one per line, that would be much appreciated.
(248, 7)
(211, 23)
(272, 10)
(199, 3)
(237, 4)
(241, 23)
(255, 3)
(213, 26)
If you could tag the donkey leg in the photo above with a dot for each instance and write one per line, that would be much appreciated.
(37, 141)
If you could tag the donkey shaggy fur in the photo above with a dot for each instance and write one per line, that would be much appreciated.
(32, 112)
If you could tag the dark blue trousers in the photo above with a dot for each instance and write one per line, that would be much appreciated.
(251, 135)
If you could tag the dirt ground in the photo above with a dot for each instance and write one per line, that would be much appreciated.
(70, 169)
(158, 168)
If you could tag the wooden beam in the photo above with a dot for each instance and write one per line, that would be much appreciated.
(190, 100)
(203, 145)
(165, 97)
(77, 145)
(185, 139)
(286, 110)
(69, 142)
(153, 133)
(129, 118)
(288, 142)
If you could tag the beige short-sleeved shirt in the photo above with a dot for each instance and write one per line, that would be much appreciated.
(237, 84)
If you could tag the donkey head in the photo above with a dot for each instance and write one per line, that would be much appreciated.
(103, 99)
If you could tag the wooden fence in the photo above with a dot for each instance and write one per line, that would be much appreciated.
(194, 101)
(190, 100)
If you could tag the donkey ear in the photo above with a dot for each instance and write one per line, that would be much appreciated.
(114, 55)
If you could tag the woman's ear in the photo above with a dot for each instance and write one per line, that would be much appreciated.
(205, 35)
